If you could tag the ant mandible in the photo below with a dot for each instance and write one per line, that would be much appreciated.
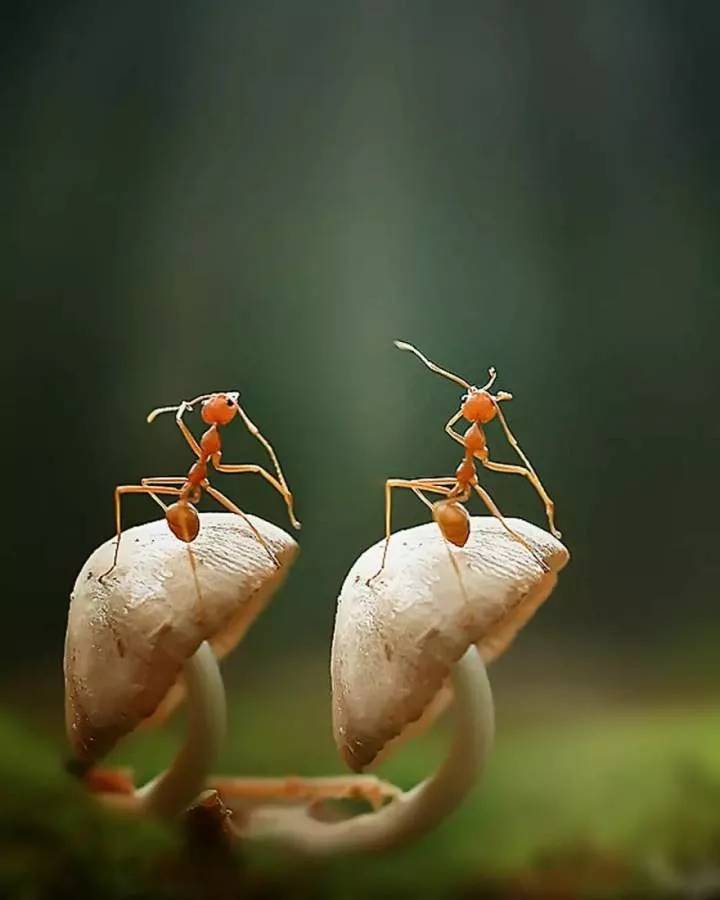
(218, 410)
(478, 406)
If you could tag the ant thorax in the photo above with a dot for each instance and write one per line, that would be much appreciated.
(475, 442)
(210, 442)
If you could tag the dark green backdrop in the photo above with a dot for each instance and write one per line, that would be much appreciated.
(263, 195)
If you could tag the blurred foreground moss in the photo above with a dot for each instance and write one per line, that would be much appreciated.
(55, 842)
(609, 806)
(602, 795)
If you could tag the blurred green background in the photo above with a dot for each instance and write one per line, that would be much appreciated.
(261, 196)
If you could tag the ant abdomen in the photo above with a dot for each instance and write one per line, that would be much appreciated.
(183, 520)
(453, 520)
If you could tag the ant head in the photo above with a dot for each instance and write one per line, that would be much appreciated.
(478, 405)
(219, 409)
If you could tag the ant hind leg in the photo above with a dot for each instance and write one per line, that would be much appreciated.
(120, 491)
(415, 485)
(280, 487)
(536, 483)
(153, 482)
(285, 491)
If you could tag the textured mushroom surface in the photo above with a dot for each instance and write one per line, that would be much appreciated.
(397, 636)
(129, 636)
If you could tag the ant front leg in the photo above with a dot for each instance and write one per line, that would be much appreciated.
(281, 488)
(180, 411)
(451, 431)
(151, 482)
(536, 483)
(528, 471)
(120, 491)
(187, 434)
(231, 507)
(491, 505)
(256, 433)
(415, 485)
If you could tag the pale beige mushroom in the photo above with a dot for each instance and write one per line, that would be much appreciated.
(400, 641)
(136, 640)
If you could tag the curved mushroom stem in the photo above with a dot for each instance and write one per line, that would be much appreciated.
(170, 793)
(415, 812)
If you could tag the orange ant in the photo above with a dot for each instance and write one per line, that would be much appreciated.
(183, 519)
(478, 406)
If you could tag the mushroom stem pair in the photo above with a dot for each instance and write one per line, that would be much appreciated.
(412, 813)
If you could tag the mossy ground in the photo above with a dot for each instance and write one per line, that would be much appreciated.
(602, 804)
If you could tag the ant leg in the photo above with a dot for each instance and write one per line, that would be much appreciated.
(453, 561)
(442, 481)
(152, 487)
(187, 434)
(451, 431)
(490, 503)
(229, 505)
(413, 485)
(282, 489)
(422, 497)
(180, 411)
(152, 483)
(149, 482)
(531, 474)
(535, 481)
(256, 433)
(172, 479)
(133, 489)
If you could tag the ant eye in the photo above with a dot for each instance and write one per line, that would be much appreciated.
(229, 402)
(464, 398)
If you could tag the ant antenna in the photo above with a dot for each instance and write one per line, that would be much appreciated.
(402, 345)
(151, 416)
(185, 405)
(493, 375)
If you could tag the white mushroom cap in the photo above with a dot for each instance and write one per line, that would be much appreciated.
(129, 636)
(398, 636)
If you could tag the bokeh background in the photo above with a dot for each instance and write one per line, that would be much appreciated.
(261, 196)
